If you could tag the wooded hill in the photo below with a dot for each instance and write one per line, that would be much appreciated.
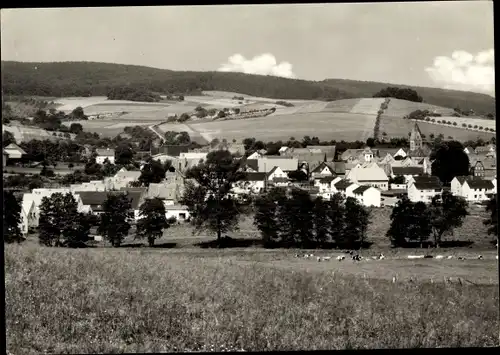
(65, 79)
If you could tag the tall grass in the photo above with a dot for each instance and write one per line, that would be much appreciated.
(109, 301)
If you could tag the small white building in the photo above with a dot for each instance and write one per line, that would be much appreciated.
(327, 184)
(13, 151)
(179, 212)
(28, 214)
(322, 170)
(103, 154)
(254, 155)
(253, 183)
(345, 188)
(472, 189)
(424, 188)
(368, 196)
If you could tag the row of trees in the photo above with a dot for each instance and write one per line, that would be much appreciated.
(417, 222)
(426, 115)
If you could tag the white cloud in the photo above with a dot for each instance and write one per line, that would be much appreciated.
(264, 64)
(465, 71)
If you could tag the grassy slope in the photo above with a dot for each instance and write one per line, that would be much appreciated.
(77, 78)
(104, 301)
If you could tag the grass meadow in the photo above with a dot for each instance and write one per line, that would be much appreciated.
(399, 127)
(152, 300)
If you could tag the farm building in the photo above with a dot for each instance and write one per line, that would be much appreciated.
(473, 189)
(424, 188)
(367, 196)
(407, 171)
(14, 152)
(486, 168)
(369, 174)
(250, 165)
(103, 154)
(267, 163)
(327, 184)
(486, 149)
(345, 187)
(171, 150)
(322, 170)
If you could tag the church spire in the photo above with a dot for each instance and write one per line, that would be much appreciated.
(415, 138)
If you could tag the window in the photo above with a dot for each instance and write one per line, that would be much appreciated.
(182, 215)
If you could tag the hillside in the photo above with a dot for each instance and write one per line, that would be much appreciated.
(97, 79)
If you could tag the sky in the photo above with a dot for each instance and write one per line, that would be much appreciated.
(438, 44)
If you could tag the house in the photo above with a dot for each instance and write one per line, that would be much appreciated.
(407, 171)
(103, 154)
(485, 149)
(277, 176)
(469, 150)
(267, 163)
(167, 191)
(28, 214)
(473, 189)
(424, 188)
(123, 178)
(250, 165)
(254, 156)
(13, 151)
(252, 183)
(179, 212)
(359, 155)
(93, 185)
(367, 196)
(186, 161)
(326, 185)
(396, 153)
(369, 174)
(94, 200)
(322, 170)
(339, 168)
(486, 168)
(345, 187)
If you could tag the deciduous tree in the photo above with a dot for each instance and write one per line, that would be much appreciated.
(116, 218)
(152, 220)
(447, 212)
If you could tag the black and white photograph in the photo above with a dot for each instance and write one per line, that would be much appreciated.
(250, 177)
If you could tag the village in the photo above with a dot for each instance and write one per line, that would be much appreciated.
(375, 177)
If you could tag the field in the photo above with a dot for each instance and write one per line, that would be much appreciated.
(151, 300)
(400, 108)
(349, 127)
(24, 133)
(470, 120)
(399, 127)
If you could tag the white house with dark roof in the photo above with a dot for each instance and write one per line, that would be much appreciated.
(322, 170)
(406, 171)
(252, 183)
(473, 189)
(369, 174)
(368, 196)
(13, 151)
(103, 154)
(424, 188)
(327, 184)
(345, 187)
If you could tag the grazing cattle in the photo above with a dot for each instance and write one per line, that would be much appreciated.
(394, 279)
(326, 258)
(439, 256)
(449, 257)
(381, 257)
(356, 258)
(461, 258)
(480, 257)
(318, 259)
(340, 257)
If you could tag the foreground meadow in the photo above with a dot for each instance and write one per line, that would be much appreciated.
(151, 300)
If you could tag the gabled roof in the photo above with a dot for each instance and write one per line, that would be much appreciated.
(27, 202)
(327, 179)
(360, 190)
(480, 184)
(255, 176)
(407, 170)
(369, 172)
(427, 183)
(252, 163)
(339, 167)
(461, 179)
(321, 166)
(343, 184)
(13, 146)
(105, 152)
(163, 191)
(128, 174)
(272, 170)
(172, 150)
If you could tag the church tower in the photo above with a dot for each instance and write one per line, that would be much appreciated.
(416, 140)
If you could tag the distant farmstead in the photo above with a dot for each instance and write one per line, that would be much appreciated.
(103, 154)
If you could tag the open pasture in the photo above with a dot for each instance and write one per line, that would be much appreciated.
(25, 134)
(399, 127)
(160, 300)
(400, 108)
(349, 127)
(344, 105)
(368, 106)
